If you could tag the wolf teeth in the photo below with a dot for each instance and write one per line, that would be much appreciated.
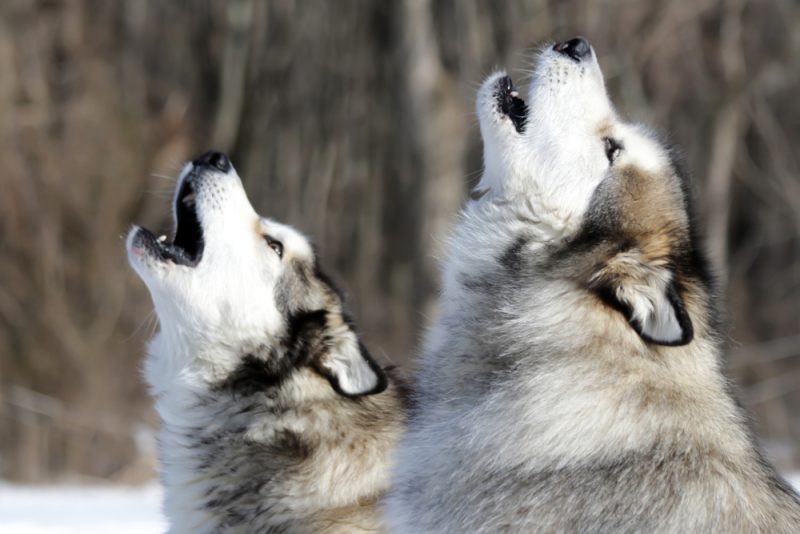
(162, 239)
(188, 200)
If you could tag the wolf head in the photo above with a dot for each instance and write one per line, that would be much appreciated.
(234, 290)
(606, 197)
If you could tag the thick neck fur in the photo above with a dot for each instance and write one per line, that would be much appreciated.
(244, 451)
(493, 293)
(530, 384)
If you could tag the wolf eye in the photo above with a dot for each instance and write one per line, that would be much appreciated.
(613, 148)
(276, 246)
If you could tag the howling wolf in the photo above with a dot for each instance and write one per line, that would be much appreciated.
(275, 418)
(572, 382)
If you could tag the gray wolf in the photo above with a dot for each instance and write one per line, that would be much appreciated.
(572, 381)
(274, 416)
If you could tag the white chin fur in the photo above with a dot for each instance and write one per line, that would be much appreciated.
(558, 160)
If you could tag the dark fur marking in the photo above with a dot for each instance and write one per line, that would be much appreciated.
(478, 284)
(401, 385)
(254, 374)
(306, 343)
(291, 444)
(328, 281)
(262, 372)
(693, 261)
(512, 258)
(477, 194)
(698, 263)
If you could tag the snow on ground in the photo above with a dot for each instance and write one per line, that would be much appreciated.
(85, 510)
(95, 510)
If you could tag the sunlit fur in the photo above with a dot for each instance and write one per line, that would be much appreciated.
(572, 381)
(273, 416)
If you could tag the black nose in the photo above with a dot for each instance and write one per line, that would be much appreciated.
(215, 159)
(577, 48)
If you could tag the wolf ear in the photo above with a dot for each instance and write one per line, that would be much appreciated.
(657, 314)
(648, 297)
(348, 365)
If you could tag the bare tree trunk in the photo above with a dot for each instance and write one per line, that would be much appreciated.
(439, 129)
(726, 138)
(233, 76)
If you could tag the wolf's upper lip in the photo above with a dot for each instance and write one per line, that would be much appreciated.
(510, 104)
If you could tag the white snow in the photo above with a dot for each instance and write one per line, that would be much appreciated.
(96, 510)
(77, 509)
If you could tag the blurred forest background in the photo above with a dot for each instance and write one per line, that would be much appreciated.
(352, 120)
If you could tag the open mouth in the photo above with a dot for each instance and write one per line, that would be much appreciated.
(188, 242)
(510, 104)
(187, 246)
